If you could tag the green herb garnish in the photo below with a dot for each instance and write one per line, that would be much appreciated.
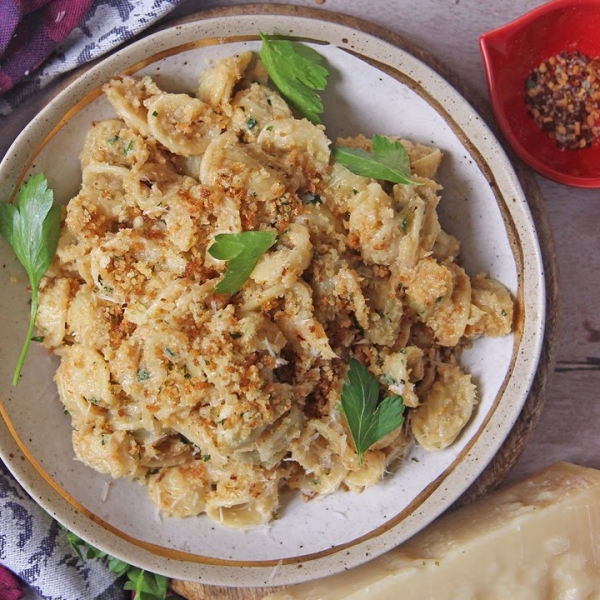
(128, 148)
(142, 375)
(389, 160)
(81, 548)
(297, 72)
(368, 418)
(241, 251)
(405, 224)
(146, 585)
(312, 199)
(32, 227)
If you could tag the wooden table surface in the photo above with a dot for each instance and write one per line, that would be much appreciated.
(449, 30)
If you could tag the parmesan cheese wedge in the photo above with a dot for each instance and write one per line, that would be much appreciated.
(536, 540)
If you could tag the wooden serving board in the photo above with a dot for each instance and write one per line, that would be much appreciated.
(495, 472)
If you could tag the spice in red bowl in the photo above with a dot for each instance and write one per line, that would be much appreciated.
(511, 53)
(563, 97)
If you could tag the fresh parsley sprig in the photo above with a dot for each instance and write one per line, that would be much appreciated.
(82, 549)
(241, 251)
(389, 160)
(298, 73)
(146, 585)
(32, 227)
(369, 419)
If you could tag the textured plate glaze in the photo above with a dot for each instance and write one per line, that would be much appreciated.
(375, 87)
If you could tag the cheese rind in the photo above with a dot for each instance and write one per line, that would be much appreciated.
(536, 540)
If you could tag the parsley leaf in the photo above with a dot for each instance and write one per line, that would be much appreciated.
(297, 72)
(79, 546)
(146, 585)
(369, 420)
(241, 251)
(32, 227)
(118, 567)
(389, 160)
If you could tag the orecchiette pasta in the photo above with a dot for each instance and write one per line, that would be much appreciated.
(219, 402)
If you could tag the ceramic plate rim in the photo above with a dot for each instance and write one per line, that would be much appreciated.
(220, 574)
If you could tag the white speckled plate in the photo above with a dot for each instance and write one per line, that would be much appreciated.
(374, 87)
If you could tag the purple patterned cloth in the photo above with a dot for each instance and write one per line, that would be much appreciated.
(10, 586)
(37, 558)
(42, 39)
(30, 30)
(39, 41)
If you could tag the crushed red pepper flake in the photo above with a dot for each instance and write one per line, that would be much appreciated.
(563, 97)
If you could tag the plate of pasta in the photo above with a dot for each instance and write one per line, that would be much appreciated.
(280, 325)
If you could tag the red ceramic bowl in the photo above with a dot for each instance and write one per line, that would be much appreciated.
(511, 52)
